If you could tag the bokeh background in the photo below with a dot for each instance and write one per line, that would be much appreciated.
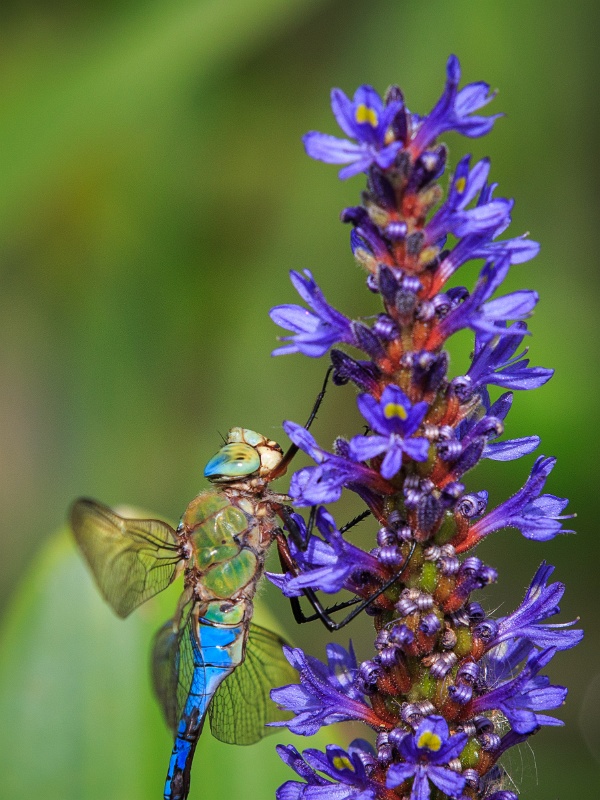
(154, 196)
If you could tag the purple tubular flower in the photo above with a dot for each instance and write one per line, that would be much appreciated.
(454, 217)
(502, 661)
(495, 363)
(490, 426)
(314, 333)
(395, 419)
(326, 693)
(363, 373)
(425, 755)
(487, 317)
(365, 119)
(453, 111)
(536, 515)
(481, 245)
(324, 483)
(540, 603)
(326, 565)
(348, 771)
(521, 698)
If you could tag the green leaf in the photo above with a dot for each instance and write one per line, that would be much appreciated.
(79, 721)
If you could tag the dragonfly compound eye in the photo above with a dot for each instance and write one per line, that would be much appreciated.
(233, 461)
(270, 453)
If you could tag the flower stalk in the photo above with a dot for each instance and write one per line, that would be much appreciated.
(449, 688)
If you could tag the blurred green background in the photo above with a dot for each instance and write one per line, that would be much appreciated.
(154, 196)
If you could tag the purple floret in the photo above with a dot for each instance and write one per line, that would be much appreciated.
(521, 698)
(326, 564)
(454, 111)
(314, 332)
(395, 420)
(326, 693)
(365, 119)
(540, 603)
(537, 516)
(347, 773)
(425, 755)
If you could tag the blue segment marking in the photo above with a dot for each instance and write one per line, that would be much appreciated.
(219, 653)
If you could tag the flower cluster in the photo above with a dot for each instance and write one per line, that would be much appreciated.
(449, 688)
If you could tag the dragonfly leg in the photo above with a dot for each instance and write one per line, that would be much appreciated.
(319, 400)
(293, 449)
(356, 520)
(321, 613)
(300, 540)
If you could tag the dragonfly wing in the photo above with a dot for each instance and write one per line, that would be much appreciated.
(173, 664)
(131, 559)
(242, 705)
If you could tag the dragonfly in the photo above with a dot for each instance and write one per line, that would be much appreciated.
(210, 659)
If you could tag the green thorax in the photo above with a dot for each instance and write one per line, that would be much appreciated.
(218, 533)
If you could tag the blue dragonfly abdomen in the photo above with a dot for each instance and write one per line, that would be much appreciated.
(217, 641)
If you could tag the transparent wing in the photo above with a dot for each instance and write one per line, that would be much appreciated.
(242, 706)
(131, 559)
(173, 664)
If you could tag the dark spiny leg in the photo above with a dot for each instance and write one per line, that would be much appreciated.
(319, 399)
(293, 449)
(321, 613)
(300, 541)
(355, 521)
(288, 565)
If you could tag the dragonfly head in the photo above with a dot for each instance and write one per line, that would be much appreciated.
(245, 454)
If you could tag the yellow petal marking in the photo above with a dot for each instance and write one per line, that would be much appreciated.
(430, 741)
(342, 762)
(394, 410)
(365, 114)
(460, 185)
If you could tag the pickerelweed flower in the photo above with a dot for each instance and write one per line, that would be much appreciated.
(449, 687)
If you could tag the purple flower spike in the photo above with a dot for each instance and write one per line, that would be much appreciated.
(365, 119)
(447, 688)
(395, 419)
(313, 333)
(347, 773)
(453, 111)
(426, 754)
(325, 694)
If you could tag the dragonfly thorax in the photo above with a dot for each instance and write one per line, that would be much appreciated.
(245, 454)
(228, 536)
